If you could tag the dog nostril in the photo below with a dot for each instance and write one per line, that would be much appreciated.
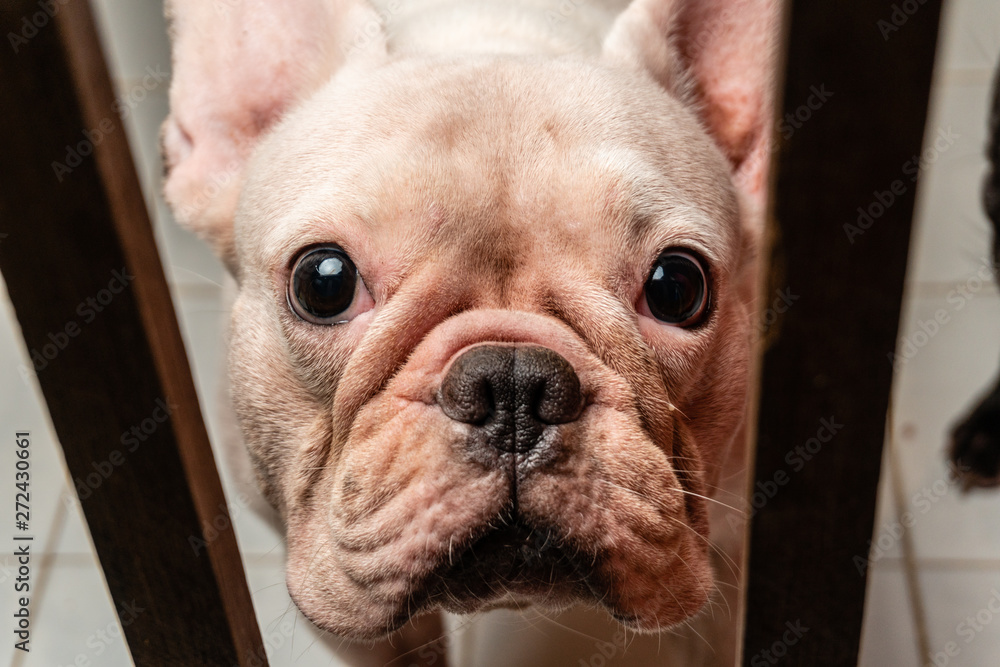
(468, 393)
(511, 392)
(550, 384)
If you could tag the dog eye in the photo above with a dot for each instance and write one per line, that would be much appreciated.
(325, 286)
(677, 289)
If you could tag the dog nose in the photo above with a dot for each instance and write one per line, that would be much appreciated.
(511, 393)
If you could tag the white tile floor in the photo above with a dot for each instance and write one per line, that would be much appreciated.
(954, 544)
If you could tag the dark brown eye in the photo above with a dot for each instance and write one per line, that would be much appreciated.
(323, 285)
(677, 289)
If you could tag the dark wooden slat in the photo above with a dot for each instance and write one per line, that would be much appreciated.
(83, 273)
(825, 381)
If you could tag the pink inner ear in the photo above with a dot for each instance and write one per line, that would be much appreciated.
(238, 67)
(719, 54)
(730, 46)
(231, 83)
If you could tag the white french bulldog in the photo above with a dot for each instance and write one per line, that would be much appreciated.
(496, 273)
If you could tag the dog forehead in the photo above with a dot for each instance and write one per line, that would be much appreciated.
(486, 144)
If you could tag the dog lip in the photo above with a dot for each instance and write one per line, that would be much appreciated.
(514, 558)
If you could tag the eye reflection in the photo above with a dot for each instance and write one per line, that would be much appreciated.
(676, 291)
(323, 285)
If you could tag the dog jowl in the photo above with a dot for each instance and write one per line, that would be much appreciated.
(491, 340)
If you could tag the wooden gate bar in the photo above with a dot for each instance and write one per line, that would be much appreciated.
(855, 97)
(82, 269)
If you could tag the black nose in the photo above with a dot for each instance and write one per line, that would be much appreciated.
(511, 393)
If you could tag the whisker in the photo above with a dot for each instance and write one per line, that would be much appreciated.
(730, 563)
(713, 500)
(690, 493)
(690, 627)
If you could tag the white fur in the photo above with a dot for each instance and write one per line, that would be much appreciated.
(498, 171)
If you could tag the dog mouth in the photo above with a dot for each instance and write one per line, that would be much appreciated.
(509, 564)
(467, 515)
(549, 545)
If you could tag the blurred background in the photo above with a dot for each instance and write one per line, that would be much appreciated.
(931, 581)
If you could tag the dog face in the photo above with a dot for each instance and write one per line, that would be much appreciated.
(492, 332)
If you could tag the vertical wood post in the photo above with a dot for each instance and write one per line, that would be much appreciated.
(856, 90)
(82, 269)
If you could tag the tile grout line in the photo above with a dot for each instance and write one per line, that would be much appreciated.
(45, 567)
(966, 76)
(917, 606)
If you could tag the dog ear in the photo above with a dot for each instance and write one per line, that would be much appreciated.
(238, 67)
(719, 56)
